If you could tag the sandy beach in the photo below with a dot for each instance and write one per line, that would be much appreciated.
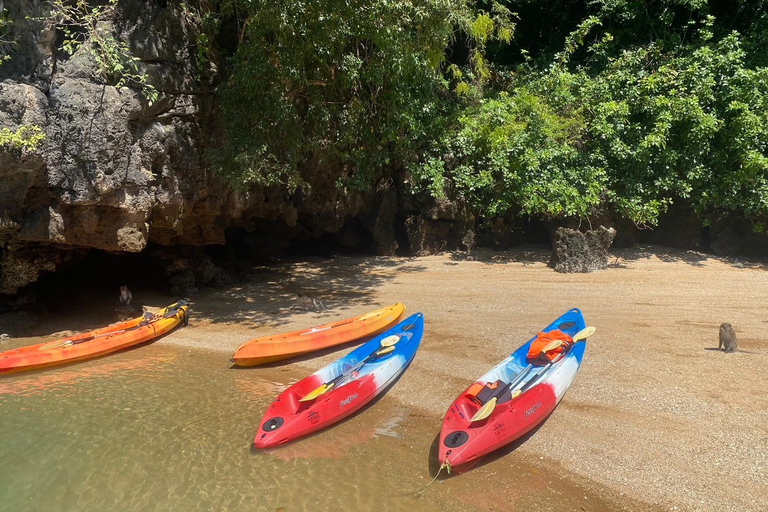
(654, 420)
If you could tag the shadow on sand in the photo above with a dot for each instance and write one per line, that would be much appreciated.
(268, 296)
(265, 297)
(525, 254)
(532, 254)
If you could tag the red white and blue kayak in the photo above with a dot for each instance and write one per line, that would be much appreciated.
(524, 397)
(351, 382)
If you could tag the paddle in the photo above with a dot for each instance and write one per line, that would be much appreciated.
(69, 343)
(148, 319)
(490, 405)
(387, 346)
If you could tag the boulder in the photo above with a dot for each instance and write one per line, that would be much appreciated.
(575, 251)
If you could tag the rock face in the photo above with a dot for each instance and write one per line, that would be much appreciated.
(575, 251)
(433, 226)
(115, 173)
(380, 219)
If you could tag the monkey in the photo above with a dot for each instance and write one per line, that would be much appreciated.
(309, 301)
(125, 296)
(728, 340)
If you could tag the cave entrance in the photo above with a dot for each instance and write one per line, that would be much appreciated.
(352, 239)
(95, 279)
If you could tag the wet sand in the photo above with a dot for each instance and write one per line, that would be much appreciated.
(653, 421)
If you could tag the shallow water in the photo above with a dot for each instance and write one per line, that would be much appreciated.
(166, 428)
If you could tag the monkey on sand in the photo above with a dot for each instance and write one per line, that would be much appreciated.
(728, 341)
(309, 301)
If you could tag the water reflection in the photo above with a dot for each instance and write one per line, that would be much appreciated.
(49, 380)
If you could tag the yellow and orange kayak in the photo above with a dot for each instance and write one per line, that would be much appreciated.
(269, 349)
(94, 343)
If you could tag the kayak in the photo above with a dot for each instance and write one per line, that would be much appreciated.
(520, 392)
(340, 389)
(269, 349)
(94, 343)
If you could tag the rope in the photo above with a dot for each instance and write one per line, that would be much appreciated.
(446, 465)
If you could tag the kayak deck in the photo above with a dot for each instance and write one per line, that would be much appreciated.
(268, 349)
(540, 388)
(355, 380)
(94, 343)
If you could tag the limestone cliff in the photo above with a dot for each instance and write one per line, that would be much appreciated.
(115, 173)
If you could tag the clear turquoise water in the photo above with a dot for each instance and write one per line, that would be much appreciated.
(160, 428)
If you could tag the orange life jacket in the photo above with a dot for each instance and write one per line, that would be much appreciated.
(543, 340)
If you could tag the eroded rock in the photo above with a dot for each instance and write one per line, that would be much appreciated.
(428, 236)
(380, 221)
(575, 251)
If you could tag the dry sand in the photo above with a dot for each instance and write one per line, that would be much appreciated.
(654, 419)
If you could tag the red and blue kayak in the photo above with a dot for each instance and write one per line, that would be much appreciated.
(524, 389)
(342, 388)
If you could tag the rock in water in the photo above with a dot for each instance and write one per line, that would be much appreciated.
(581, 252)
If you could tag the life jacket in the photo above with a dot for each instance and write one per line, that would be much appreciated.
(536, 353)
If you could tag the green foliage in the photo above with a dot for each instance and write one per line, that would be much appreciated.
(518, 152)
(626, 104)
(636, 129)
(206, 23)
(83, 25)
(5, 41)
(25, 138)
(338, 85)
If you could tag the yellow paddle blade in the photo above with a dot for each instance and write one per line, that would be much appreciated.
(390, 340)
(485, 410)
(584, 333)
(516, 393)
(385, 350)
(317, 392)
(60, 344)
(552, 346)
(581, 335)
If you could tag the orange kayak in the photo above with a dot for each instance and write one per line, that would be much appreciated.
(268, 349)
(94, 343)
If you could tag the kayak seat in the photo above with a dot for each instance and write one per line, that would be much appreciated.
(490, 390)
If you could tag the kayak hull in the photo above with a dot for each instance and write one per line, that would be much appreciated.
(288, 419)
(94, 343)
(270, 349)
(463, 442)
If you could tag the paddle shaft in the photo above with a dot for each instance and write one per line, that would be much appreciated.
(544, 368)
(524, 373)
(368, 359)
(514, 382)
(68, 343)
(356, 367)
